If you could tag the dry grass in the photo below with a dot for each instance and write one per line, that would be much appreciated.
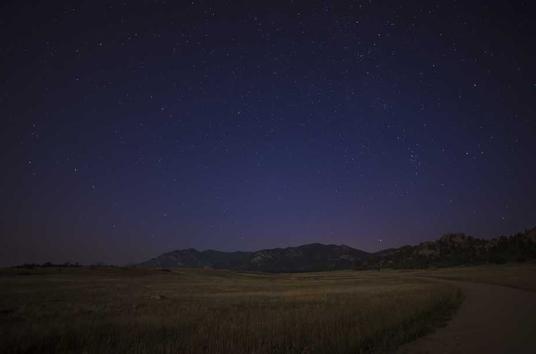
(520, 276)
(201, 311)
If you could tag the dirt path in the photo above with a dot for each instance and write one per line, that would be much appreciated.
(492, 319)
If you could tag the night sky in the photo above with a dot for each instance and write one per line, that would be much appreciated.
(133, 128)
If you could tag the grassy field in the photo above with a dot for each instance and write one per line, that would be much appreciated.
(519, 276)
(121, 310)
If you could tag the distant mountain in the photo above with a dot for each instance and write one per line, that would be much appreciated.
(306, 258)
(457, 249)
(449, 250)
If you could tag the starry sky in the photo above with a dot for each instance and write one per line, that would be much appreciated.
(133, 128)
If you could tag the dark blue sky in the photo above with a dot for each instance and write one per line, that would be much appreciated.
(130, 129)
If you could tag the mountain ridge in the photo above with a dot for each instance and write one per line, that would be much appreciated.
(449, 250)
(308, 257)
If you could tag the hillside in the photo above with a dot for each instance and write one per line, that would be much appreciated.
(449, 250)
(457, 249)
(306, 258)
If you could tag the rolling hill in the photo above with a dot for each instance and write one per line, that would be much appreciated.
(306, 258)
(458, 249)
(449, 250)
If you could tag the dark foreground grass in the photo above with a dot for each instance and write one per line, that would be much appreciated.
(195, 311)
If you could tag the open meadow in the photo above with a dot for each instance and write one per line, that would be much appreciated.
(518, 276)
(129, 310)
(133, 310)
